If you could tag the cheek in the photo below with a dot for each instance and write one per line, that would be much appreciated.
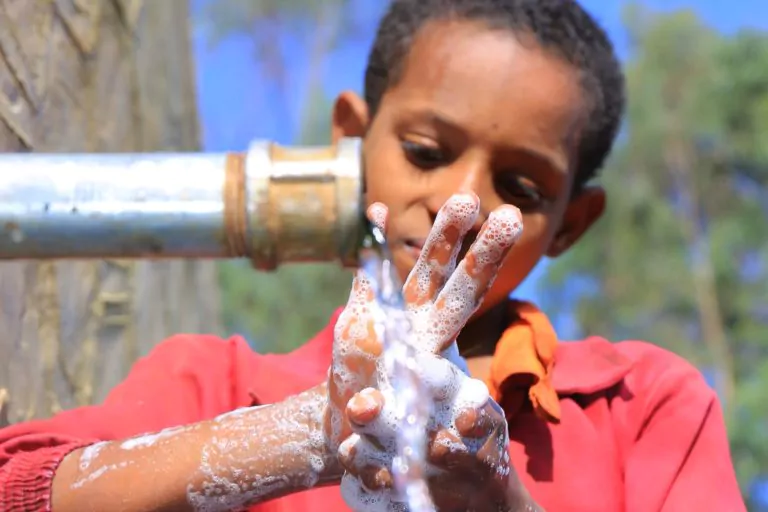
(386, 175)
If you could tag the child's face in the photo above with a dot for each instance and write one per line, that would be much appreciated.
(476, 109)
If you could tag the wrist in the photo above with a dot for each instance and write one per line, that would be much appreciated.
(300, 420)
(314, 417)
(261, 453)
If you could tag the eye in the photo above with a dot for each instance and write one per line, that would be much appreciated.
(519, 191)
(424, 156)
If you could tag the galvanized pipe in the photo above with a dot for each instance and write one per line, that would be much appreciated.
(271, 204)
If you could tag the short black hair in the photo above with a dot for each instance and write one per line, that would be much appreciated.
(562, 27)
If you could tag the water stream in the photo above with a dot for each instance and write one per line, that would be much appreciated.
(412, 409)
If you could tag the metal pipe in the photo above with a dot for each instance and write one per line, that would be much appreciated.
(271, 204)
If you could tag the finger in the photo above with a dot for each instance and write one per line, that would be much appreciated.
(438, 256)
(363, 460)
(475, 414)
(447, 451)
(376, 418)
(362, 293)
(475, 423)
(355, 349)
(451, 353)
(473, 277)
(494, 453)
(333, 422)
(356, 343)
(439, 375)
(365, 407)
(376, 478)
(357, 497)
(347, 454)
(355, 326)
(372, 480)
(472, 394)
(378, 214)
(356, 321)
(372, 477)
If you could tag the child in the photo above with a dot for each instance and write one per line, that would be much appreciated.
(470, 106)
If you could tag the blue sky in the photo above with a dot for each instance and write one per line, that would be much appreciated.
(237, 104)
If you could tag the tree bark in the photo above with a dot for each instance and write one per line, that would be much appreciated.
(96, 76)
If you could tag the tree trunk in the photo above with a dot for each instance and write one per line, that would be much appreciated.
(96, 76)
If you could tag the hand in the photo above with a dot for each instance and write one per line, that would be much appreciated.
(440, 298)
(468, 466)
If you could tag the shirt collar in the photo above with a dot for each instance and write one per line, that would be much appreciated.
(588, 366)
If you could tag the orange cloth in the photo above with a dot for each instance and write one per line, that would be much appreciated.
(522, 364)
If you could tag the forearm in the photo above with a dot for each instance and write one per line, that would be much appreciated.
(238, 459)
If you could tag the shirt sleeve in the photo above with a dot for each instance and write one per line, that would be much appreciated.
(678, 457)
(185, 379)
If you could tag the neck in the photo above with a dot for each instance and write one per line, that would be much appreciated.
(479, 337)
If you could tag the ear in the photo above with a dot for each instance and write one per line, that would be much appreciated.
(580, 214)
(350, 116)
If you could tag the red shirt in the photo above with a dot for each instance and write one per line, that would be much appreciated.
(641, 431)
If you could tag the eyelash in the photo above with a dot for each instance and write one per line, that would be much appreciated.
(422, 156)
(515, 190)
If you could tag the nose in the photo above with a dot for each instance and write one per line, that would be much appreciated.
(465, 175)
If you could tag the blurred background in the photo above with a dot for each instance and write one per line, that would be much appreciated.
(680, 259)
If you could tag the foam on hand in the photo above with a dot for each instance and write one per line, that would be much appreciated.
(423, 379)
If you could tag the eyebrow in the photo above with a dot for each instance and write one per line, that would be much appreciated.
(443, 122)
(544, 159)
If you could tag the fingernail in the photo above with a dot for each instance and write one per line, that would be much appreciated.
(443, 444)
(507, 223)
(465, 196)
(461, 208)
(509, 213)
(470, 424)
(377, 213)
(370, 394)
(364, 406)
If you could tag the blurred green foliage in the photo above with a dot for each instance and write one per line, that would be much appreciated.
(681, 257)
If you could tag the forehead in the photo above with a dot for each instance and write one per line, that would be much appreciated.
(501, 88)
